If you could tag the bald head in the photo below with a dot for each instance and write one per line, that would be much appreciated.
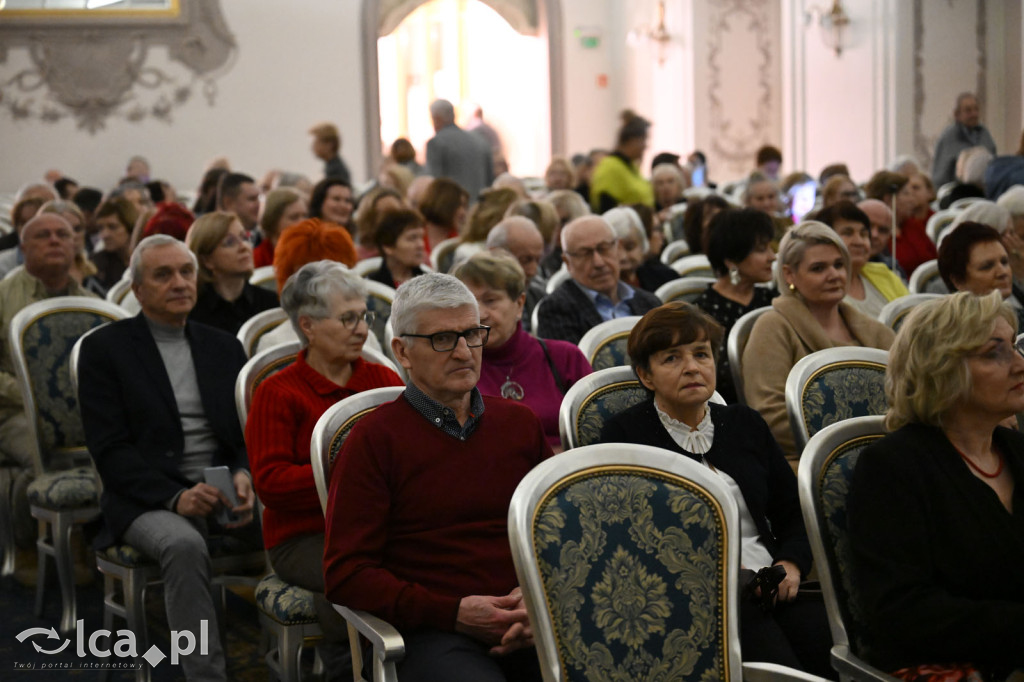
(585, 223)
(591, 254)
(520, 237)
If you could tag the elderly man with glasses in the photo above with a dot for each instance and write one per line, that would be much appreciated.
(595, 293)
(419, 495)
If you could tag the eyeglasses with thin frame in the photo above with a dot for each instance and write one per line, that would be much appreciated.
(351, 319)
(604, 249)
(232, 241)
(1001, 353)
(444, 342)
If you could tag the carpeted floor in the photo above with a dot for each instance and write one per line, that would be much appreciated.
(17, 603)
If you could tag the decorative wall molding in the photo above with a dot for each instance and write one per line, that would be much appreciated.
(737, 132)
(522, 15)
(95, 68)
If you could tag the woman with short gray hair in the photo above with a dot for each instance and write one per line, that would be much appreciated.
(810, 315)
(326, 304)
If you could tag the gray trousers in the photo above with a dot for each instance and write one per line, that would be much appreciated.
(178, 544)
(16, 473)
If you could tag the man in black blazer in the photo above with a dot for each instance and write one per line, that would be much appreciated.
(156, 394)
(595, 294)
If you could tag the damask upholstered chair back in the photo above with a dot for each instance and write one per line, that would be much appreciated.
(926, 279)
(41, 338)
(264, 278)
(378, 300)
(832, 385)
(628, 559)
(333, 428)
(696, 265)
(592, 400)
(253, 329)
(683, 289)
(259, 367)
(826, 467)
(736, 344)
(895, 311)
(605, 344)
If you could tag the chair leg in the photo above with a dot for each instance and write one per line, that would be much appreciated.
(42, 552)
(6, 532)
(289, 654)
(62, 527)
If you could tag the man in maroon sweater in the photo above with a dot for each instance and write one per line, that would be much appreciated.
(419, 496)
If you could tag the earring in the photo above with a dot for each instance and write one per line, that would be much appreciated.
(734, 276)
(792, 287)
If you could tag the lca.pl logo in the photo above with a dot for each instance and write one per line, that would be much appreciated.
(183, 643)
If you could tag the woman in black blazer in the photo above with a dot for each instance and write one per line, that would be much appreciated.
(674, 349)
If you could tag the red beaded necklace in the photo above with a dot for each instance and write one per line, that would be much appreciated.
(977, 468)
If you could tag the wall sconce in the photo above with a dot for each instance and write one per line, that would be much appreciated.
(833, 24)
(657, 34)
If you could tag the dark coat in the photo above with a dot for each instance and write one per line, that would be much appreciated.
(567, 313)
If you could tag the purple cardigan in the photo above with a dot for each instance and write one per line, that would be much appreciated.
(522, 360)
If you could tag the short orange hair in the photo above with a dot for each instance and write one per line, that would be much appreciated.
(308, 241)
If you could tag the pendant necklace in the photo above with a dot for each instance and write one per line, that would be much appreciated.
(512, 390)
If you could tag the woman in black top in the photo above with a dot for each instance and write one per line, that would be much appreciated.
(740, 251)
(673, 350)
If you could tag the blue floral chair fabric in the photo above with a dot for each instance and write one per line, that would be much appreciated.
(594, 399)
(66, 489)
(285, 603)
(257, 369)
(612, 353)
(826, 468)
(835, 384)
(604, 345)
(628, 558)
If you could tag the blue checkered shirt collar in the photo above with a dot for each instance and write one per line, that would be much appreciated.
(443, 417)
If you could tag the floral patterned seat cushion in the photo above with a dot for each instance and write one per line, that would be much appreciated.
(612, 353)
(287, 604)
(633, 569)
(126, 555)
(838, 393)
(604, 404)
(69, 489)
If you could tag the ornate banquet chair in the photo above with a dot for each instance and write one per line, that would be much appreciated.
(895, 312)
(378, 300)
(328, 436)
(604, 345)
(628, 558)
(696, 265)
(826, 467)
(926, 279)
(65, 492)
(674, 250)
(834, 384)
(683, 289)
(263, 277)
(736, 344)
(253, 329)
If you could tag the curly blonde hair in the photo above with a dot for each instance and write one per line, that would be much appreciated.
(927, 372)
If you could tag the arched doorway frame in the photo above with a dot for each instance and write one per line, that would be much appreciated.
(550, 20)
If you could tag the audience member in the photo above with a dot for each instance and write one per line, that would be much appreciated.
(22, 212)
(484, 215)
(400, 242)
(372, 207)
(913, 245)
(82, 269)
(115, 220)
(88, 199)
(966, 131)
(839, 188)
(521, 238)
(871, 285)
(635, 268)
(769, 161)
(417, 516)
(225, 299)
(541, 213)
(326, 305)
(594, 293)
(673, 350)
(697, 222)
(617, 179)
(669, 182)
(559, 174)
(237, 193)
(933, 506)
(517, 365)
(741, 254)
(809, 316)
(881, 234)
(445, 206)
(1004, 172)
(584, 168)
(206, 195)
(395, 176)
(457, 155)
(478, 126)
(403, 153)
(137, 169)
(157, 400)
(171, 219)
(66, 188)
(972, 258)
(332, 201)
(48, 245)
(327, 148)
(568, 207)
(283, 207)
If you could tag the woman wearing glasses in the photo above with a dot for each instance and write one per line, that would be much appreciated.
(226, 299)
(326, 304)
(936, 508)
(516, 365)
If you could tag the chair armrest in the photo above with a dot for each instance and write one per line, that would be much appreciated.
(850, 666)
(769, 672)
(387, 642)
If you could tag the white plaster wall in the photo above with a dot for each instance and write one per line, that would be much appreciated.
(296, 65)
(591, 109)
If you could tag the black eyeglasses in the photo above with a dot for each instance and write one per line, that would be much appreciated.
(443, 342)
(351, 319)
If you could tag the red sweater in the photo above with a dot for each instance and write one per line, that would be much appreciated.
(913, 245)
(284, 411)
(417, 519)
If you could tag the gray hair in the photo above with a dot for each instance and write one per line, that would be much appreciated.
(568, 201)
(442, 110)
(497, 238)
(1013, 200)
(897, 164)
(795, 243)
(309, 290)
(626, 224)
(669, 169)
(135, 265)
(574, 224)
(432, 291)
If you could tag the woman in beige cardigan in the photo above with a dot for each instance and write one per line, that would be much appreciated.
(809, 316)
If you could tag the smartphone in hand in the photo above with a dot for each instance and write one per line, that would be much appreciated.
(220, 478)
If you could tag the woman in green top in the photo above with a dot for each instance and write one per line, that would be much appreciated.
(617, 179)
